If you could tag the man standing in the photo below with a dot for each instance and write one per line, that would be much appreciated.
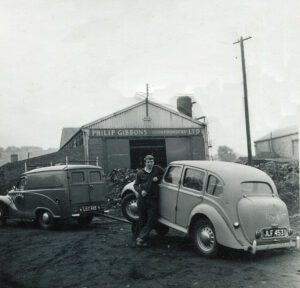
(146, 184)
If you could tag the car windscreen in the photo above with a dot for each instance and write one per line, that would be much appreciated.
(256, 189)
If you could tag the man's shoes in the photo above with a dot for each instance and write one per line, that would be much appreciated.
(141, 243)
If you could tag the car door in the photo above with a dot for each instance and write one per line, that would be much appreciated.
(168, 192)
(190, 194)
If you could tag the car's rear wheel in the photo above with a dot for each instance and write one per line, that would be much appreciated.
(85, 220)
(3, 214)
(45, 220)
(204, 238)
(129, 208)
(161, 229)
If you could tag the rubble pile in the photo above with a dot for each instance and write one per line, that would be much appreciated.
(286, 179)
(116, 180)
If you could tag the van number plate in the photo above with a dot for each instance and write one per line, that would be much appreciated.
(91, 208)
(274, 233)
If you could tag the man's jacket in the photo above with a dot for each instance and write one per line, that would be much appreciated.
(144, 181)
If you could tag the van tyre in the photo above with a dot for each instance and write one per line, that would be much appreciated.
(129, 208)
(3, 214)
(204, 238)
(45, 220)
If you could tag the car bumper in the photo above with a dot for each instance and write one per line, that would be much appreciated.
(292, 243)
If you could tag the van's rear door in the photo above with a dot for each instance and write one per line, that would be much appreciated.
(79, 187)
(87, 190)
(97, 186)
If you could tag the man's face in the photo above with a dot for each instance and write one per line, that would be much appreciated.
(149, 164)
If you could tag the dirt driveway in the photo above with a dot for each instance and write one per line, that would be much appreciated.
(101, 256)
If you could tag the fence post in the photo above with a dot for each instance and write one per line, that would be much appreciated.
(97, 161)
(67, 162)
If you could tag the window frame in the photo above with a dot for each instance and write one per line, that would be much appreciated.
(180, 176)
(221, 181)
(204, 179)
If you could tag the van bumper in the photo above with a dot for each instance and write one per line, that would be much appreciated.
(292, 243)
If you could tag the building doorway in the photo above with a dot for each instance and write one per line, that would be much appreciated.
(140, 148)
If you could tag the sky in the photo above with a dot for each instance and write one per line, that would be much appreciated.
(66, 63)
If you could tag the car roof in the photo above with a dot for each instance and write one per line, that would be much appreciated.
(228, 170)
(62, 168)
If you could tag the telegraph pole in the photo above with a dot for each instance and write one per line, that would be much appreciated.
(241, 41)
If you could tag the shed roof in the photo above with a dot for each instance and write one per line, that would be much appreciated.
(279, 133)
(139, 104)
(66, 134)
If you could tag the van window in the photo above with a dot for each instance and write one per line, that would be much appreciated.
(95, 176)
(173, 175)
(256, 188)
(77, 177)
(193, 179)
(214, 186)
(45, 180)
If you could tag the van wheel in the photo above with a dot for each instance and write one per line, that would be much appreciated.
(45, 220)
(161, 229)
(85, 220)
(129, 208)
(3, 214)
(204, 238)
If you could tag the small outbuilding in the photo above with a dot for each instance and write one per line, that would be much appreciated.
(281, 143)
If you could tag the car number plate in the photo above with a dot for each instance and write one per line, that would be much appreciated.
(274, 233)
(91, 208)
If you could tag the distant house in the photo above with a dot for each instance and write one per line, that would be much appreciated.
(281, 143)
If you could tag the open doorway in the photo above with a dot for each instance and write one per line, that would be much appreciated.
(140, 148)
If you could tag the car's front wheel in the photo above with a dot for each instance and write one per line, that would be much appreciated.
(204, 238)
(129, 208)
(3, 214)
(45, 220)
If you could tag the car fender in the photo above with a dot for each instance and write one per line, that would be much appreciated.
(224, 235)
(8, 201)
(129, 187)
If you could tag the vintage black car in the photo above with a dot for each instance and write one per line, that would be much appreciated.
(54, 193)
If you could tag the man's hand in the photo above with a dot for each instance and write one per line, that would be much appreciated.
(155, 179)
(144, 193)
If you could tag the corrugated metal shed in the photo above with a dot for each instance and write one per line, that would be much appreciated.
(135, 117)
(67, 134)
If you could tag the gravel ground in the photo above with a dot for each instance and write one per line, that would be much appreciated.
(102, 255)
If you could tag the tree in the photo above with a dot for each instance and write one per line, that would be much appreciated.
(226, 154)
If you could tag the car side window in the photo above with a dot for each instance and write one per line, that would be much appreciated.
(77, 177)
(173, 175)
(214, 186)
(194, 179)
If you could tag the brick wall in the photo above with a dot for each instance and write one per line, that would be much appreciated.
(11, 172)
